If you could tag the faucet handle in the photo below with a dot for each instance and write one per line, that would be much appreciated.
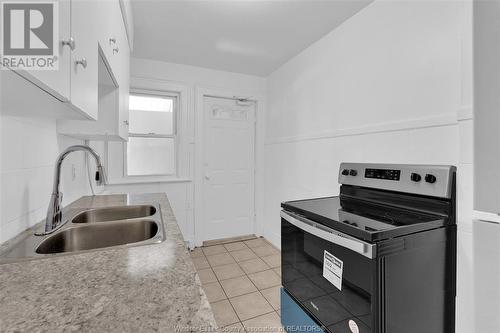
(60, 199)
(57, 208)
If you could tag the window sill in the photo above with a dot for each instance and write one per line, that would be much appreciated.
(148, 181)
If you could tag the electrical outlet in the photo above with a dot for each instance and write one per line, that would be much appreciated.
(73, 172)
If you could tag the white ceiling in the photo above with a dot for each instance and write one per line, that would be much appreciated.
(251, 37)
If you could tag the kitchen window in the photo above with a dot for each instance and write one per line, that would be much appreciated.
(152, 146)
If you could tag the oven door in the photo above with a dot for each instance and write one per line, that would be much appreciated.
(330, 274)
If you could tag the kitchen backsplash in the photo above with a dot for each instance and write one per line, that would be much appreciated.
(29, 148)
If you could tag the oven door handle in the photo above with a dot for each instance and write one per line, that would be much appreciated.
(366, 249)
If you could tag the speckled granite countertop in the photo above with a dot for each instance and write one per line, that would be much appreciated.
(150, 288)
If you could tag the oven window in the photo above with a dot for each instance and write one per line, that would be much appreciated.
(302, 275)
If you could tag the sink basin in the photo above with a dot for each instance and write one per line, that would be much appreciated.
(97, 236)
(92, 230)
(114, 213)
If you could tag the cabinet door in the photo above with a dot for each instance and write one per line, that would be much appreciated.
(104, 34)
(56, 82)
(111, 78)
(124, 88)
(122, 61)
(84, 65)
(111, 39)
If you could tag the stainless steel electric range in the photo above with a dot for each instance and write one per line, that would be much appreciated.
(380, 257)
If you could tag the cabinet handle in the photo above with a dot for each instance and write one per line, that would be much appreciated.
(126, 122)
(82, 62)
(115, 50)
(69, 42)
(112, 41)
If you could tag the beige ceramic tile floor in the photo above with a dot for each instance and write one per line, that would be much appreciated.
(242, 282)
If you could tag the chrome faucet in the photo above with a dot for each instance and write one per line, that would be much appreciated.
(54, 218)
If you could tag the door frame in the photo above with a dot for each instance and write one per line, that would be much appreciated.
(199, 213)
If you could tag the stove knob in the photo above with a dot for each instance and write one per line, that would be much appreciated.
(415, 177)
(430, 178)
(353, 172)
(345, 172)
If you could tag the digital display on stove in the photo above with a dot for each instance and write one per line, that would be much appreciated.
(382, 174)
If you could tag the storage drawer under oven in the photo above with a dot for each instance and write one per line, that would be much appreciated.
(331, 275)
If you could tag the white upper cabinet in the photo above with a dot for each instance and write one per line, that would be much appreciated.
(112, 36)
(112, 79)
(107, 36)
(88, 31)
(123, 107)
(84, 57)
(57, 83)
(122, 55)
(88, 93)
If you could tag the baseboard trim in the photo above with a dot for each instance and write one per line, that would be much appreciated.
(273, 238)
(228, 240)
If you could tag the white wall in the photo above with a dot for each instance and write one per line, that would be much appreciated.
(391, 84)
(186, 79)
(29, 148)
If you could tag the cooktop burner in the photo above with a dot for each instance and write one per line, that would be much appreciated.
(364, 220)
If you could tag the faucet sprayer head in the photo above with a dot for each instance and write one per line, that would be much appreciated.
(100, 176)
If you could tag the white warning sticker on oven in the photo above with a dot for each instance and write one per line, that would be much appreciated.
(332, 269)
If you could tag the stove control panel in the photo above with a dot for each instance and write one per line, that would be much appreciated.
(432, 180)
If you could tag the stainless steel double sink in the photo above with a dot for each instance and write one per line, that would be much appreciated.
(92, 229)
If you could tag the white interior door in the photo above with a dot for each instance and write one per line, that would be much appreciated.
(229, 162)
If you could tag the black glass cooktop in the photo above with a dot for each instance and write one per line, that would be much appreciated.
(367, 221)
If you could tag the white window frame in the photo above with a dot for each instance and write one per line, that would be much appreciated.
(175, 110)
